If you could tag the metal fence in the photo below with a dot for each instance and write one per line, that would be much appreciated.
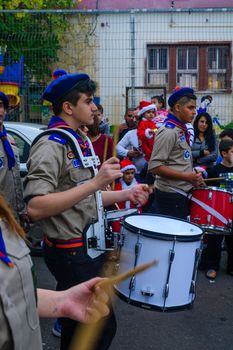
(132, 55)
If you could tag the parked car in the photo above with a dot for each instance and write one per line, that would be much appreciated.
(24, 134)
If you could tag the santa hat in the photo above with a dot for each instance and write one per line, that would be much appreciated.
(145, 106)
(126, 164)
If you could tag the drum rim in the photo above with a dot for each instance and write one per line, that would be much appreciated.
(165, 236)
(148, 306)
(214, 188)
(120, 211)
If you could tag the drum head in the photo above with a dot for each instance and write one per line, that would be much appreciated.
(163, 227)
(118, 214)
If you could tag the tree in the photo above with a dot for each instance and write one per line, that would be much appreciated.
(34, 35)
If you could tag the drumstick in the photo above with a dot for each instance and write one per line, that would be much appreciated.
(115, 137)
(117, 279)
(87, 335)
(214, 179)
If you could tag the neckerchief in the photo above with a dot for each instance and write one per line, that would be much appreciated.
(7, 148)
(3, 254)
(175, 121)
(56, 122)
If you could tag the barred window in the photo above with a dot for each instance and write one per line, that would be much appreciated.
(198, 65)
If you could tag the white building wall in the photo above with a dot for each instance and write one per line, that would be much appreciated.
(114, 52)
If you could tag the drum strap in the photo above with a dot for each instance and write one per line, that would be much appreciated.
(203, 205)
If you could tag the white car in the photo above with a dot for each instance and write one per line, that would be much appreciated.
(24, 134)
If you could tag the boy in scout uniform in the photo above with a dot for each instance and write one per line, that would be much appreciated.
(19, 299)
(171, 159)
(61, 192)
(10, 181)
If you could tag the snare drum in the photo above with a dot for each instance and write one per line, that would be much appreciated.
(115, 218)
(217, 198)
(113, 221)
(176, 244)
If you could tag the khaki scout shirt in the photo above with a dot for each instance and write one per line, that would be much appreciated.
(19, 323)
(172, 150)
(53, 168)
(10, 181)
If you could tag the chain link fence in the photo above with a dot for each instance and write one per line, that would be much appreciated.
(132, 55)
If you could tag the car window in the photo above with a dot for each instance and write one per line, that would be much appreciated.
(22, 145)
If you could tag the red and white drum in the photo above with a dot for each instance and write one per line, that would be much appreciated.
(218, 199)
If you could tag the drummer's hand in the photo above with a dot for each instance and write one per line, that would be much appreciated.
(139, 194)
(109, 172)
(195, 179)
(86, 302)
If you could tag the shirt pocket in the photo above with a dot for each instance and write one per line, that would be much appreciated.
(79, 176)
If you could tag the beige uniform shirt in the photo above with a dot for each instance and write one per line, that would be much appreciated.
(19, 323)
(10, 181)
(172, 150)
(53, 168)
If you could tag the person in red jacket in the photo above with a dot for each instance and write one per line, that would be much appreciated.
(146, 127)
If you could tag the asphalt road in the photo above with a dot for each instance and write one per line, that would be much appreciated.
(207, 326)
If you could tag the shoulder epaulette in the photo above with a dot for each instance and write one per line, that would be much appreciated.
(169, 125)
(57, 138)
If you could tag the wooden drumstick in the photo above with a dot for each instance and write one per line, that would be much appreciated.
(123, 276)
(214, 179)
(87, 335)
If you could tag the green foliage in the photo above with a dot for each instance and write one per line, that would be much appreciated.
(229, 126)
(36, 36)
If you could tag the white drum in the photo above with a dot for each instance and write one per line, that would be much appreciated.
(176, 244)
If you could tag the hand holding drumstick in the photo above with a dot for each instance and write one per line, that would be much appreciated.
(87, 336)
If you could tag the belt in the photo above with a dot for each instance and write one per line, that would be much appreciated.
(63, 243)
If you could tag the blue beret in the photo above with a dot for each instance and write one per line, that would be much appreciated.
(62, 85)
(178, 93)
(4, 100)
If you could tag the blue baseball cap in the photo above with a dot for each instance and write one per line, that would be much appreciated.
(178, 93)
(4, 100)
(60, 87)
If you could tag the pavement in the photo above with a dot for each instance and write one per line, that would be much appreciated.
(207, 326)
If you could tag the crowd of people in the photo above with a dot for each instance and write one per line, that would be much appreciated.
(158, 152)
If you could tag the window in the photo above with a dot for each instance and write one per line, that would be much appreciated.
(158, 66)
(218, 63)
(187, 66)
(201, 66)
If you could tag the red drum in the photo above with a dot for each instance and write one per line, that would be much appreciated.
(218, 199)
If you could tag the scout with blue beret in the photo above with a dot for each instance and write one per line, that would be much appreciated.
(171, 159)
(62, 192)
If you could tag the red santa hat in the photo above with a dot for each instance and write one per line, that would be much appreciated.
(145, 106)
(126, 164)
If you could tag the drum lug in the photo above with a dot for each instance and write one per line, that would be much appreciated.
(166, 290)
(132, 283)
(147, 292)
(210, 196)
(231, 199)
(192, 287)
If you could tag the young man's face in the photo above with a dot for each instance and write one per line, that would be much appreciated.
(84, 110)
(130, 119)
(128, 176)
(228, 156)
(186, 112)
